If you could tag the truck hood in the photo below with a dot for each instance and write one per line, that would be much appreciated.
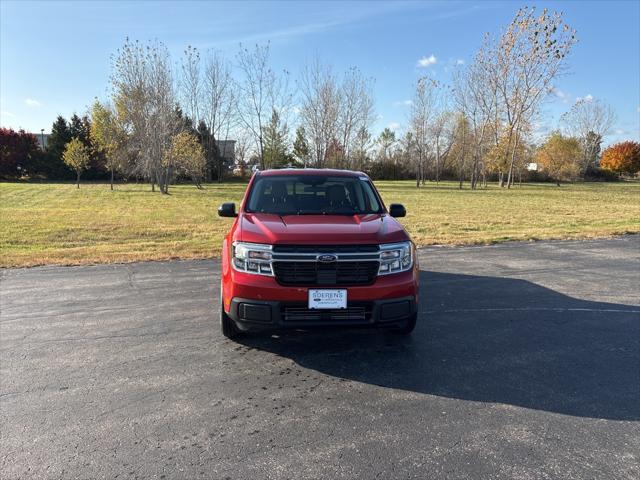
(320, 229)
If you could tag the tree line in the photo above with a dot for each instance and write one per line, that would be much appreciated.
(162, 123)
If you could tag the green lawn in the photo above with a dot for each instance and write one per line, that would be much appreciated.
(58, 224)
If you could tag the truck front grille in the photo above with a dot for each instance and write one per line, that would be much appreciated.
(301, 264)
(336, 273)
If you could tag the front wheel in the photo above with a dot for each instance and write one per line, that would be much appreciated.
(408, 327)
(227, 325)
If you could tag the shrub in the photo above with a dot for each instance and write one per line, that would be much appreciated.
(18, 150)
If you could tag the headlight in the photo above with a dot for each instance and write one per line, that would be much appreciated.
(252, 258)
(395, 257)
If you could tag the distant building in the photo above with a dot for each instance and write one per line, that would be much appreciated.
(227, 150)
(43, 139)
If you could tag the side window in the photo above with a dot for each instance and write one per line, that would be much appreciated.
(360, 200)
(370, 198)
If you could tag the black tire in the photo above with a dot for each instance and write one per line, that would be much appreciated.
(227, 325)
(408, 327)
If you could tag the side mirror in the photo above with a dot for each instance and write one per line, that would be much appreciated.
(397, 210)
(227, 210)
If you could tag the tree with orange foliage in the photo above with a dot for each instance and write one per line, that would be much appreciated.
(623, 157)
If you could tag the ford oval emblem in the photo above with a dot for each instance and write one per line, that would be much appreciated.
(327, 258)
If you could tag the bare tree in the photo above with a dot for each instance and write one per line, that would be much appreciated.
(475, 98)
(242, 148)
(589, 120)
(361, 147)
(439, 130)
(191, 83)
(320, 109)
(275, 131)
(421, 115)
(144, 96)
(218, 108)
(255, 89)
(356, 111)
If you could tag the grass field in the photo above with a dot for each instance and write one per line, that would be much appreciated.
(58, 224)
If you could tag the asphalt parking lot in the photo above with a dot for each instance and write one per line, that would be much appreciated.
(525, 364)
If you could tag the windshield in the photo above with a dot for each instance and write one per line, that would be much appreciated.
(313, 195)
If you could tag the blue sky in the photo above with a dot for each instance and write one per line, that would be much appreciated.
(54, 57)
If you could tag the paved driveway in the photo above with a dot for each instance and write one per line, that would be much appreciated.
(525, 364)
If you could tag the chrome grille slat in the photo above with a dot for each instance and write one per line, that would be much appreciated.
(298, 264)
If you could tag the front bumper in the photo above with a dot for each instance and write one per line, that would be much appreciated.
(251, 314)
(257, 302)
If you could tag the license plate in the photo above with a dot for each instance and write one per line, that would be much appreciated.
(321, 299)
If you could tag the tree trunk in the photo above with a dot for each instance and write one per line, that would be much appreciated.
(167, 178)
(462, 155)
(513, 159)
(209, 167)
(474, 171)
(111, 178)
(78, 179)
(437, 160)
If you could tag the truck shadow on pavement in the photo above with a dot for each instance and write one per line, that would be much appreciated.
(491, 339)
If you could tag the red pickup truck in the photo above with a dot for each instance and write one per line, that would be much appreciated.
(315, 248)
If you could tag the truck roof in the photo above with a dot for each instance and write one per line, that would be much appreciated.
(312, 171)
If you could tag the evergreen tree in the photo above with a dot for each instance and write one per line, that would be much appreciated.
(275, 147)
(60, 136)
(77, 130)
(184, 122)
(53, 165)
(361, 148)
(211, 153)
(301, 146)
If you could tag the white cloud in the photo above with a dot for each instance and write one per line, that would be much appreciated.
(638, 109)
(403, 103)
(460, 61)
(32, 102)
(619, 131)
(425, 62)
(560, 94)
(393, 126)
(4, 113)
(586, 98)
